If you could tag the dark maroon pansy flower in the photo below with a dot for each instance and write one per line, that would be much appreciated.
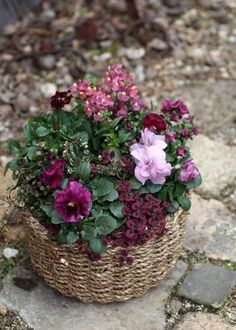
(153, 120)
(60, 99)
(53, 175)
(73, 202)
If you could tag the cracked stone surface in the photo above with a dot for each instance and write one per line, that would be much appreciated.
(211, 229)
(204, 321)
(217, 166)
(44, 308)
(208, 284)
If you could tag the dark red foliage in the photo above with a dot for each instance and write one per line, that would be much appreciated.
(144, 219)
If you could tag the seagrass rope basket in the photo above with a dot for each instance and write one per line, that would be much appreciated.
(64, 268)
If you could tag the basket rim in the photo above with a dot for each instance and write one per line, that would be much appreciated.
(31, 221)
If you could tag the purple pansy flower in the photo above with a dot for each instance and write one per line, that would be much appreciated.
(53, 175)
(73, 203)
(188, 171)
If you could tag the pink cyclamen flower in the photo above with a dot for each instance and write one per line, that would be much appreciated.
(150, 158)
(53, 175)
(148, 139)
(188, 171)
(73, 202)
(151, 164)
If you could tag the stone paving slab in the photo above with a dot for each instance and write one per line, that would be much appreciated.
(44, 308)
(211, 229)
(213, 105)
(204, 321)
(217, 164)
(208, 284)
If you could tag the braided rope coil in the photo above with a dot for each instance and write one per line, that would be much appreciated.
(64, 268)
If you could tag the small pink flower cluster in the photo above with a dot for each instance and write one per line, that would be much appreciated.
(116, 96)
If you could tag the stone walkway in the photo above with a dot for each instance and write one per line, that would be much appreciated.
(200, 291)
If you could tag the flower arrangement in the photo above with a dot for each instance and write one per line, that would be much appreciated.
(107, 171)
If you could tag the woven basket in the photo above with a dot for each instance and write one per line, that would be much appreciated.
(73, 274)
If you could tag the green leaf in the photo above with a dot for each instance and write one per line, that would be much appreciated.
(97, 245)
(48, 209)
(106, 223)
(55, 218)
(88, 232)
(185, 202)
(28, 133)
(64, 183)
(112, 196)
(169, 158)
(163, 193)
(42, 131)
(123, 136)
(153, 188)
(31, 153)
(135, 184)
(116, 209)
(103, 186)
(116, 121)
(193, 183)
(144, 190)
(173, 207)
(179, 189)
(83, 136)
(62, 236)
(14, 147)
(84, 170)
(72, 237)
(12, 165)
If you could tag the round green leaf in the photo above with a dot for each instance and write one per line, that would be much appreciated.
(97, 245)
(116, 209)
(106, 223)
(72, 237)
(185, 202)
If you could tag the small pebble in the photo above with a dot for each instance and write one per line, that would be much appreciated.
(3, 310)
(47, 62)
(10, 253)
(48, 89)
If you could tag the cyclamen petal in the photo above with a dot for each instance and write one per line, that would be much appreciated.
(150, 158)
